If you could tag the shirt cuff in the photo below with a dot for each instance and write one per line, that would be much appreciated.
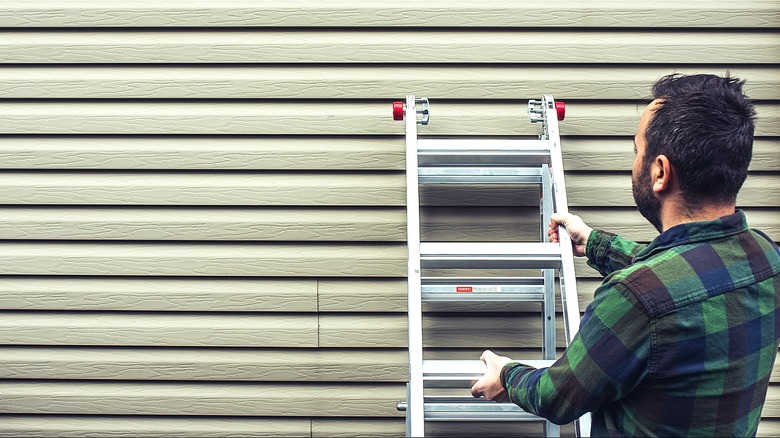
(597, 248)
(514, 368)
(505, 371)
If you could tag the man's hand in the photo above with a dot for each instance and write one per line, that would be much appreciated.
(489, 385)
(577, 229)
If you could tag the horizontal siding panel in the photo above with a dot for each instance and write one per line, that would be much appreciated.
(769, 427)
(772, 404)
(266, 224)
(264, 330)
(344, 295)
(245, 189)
(217, 399)
(232, 224)
(363, 331)
(14, 426)
(218, 364)
(372, 118)
(438, 223)
(460, 13)
(360, 46)
(357, 82)
(150, 259)
(357, 118)
(342, 189)
(159, 294)
(203, 153)
(149, 329)
(178, 188)
(346, 153)
(287, 224)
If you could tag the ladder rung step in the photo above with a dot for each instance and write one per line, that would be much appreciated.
(480, 175)
(458, 289)
(461, 373)
(477, 255)
(475, 152)
(472, 409)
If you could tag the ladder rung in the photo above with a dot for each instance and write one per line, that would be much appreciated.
(465, 409)
(461, 373)
(476, 152)
(457, 289)
(476, 255)
(480, 175)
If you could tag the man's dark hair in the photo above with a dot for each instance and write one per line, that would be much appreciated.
(704, 125)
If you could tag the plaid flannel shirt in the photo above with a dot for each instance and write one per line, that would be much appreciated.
(680, 339)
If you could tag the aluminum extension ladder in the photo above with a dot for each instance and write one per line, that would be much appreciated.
(483, 161)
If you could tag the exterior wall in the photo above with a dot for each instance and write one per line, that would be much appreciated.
(202, 220)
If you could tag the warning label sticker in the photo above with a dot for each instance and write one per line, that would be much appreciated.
(477, 288)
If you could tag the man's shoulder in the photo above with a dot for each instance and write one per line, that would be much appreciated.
(693, 272)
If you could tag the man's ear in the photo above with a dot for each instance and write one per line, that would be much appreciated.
(661, 173)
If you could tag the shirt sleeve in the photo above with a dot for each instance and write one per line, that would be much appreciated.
(609, 252)
(607, 359)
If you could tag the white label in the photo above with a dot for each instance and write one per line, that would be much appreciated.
(487, 288)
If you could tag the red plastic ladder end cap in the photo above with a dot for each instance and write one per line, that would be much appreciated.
(560, 108)
(398, 110)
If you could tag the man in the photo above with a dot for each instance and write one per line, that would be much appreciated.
(681, 336)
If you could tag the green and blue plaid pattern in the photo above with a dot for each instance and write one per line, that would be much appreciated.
(679, 340)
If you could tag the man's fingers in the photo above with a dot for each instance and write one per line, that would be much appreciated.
(475, 392)
(559, 218)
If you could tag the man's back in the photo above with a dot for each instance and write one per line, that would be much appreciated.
(710, 292)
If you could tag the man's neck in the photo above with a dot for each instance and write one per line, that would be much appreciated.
(675, 212)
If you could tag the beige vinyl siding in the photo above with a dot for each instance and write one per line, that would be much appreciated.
(405, 13)
(317, 118)
(359, 46)
(202, 219)
(324, 153)
(496, 81)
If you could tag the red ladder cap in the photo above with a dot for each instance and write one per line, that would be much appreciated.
(398, 110)
(560, 108)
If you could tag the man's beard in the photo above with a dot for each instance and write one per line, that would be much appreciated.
(647, 204)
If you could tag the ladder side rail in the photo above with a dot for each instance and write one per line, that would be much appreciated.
(408, 411)
(569, 296)
(415, 400)
(568, 278)
(548, 314)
